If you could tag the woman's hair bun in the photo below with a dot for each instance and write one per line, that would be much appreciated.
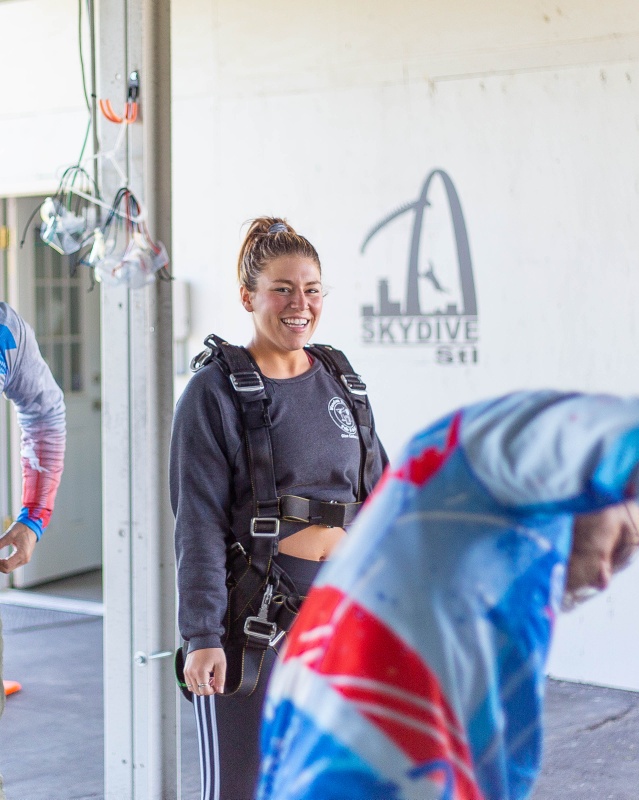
(268, 238)
(278, 227)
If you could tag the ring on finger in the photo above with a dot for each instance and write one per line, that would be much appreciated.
(201, 685)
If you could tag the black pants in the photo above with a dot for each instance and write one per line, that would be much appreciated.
(230, 726)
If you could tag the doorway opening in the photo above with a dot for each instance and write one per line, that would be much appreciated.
(59, 301)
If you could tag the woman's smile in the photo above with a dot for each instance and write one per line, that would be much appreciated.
(296, 322)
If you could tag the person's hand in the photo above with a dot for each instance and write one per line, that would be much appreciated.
(205, 671)
(23, 540)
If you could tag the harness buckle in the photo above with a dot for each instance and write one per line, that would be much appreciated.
(201, 359)
(274, 642)
(331, 514)
(269, 527)
(247, 381)
(237, 549)
(353, 383)
(260, 628)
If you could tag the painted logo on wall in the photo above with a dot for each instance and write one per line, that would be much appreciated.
(439, 307)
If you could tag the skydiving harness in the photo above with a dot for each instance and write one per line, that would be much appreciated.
(262, 600)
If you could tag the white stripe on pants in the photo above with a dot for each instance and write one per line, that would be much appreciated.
(204, 706)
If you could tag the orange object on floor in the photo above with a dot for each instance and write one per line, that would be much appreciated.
(10, 687)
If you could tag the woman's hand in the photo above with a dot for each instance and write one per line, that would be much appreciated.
(205, 671)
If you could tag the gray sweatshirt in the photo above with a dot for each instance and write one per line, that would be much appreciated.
(316, 455)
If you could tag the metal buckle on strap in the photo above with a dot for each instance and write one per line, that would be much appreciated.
(353, 383)
(260, 628)
(236, 549)
(248, 381)
(331, 513)
(201, 359)
(273, 522)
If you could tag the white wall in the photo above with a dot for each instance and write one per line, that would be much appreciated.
(43, 117)
(598, 643)
(334, 122)
(334, 116)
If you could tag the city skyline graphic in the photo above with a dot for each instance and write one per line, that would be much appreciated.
(448, 322)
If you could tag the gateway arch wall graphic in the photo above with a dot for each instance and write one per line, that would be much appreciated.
(451, 330)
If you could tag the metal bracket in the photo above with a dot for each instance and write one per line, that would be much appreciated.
(142, 658)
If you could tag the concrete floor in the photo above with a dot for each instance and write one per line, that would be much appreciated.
(51, 736)
(56, 654)
(591, 745)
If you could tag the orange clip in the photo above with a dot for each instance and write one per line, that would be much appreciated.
(130, 112)
(11, 687)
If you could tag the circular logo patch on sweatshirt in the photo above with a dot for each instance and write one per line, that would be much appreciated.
(342, 417)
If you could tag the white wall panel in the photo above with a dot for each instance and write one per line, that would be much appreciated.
(43, 116)
(283, 46)
(546, 171)
(597, 643)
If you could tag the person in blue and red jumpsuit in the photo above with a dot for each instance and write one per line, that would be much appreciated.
(415, 670)
(26, 380)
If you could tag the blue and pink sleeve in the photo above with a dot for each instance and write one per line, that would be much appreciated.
(27, 381)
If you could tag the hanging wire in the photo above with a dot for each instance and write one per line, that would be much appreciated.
(91, 121)
(124, 211)
(86, 139)
(84, 80)
(84, 84)
(29, 221)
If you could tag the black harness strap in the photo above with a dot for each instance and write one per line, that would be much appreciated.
(339, 366)
(250, 628)
(317, 512)
(250, 392)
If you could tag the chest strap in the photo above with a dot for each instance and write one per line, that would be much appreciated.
(339, 366)
(317, 512)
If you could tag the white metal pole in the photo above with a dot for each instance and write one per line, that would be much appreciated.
(141, 705)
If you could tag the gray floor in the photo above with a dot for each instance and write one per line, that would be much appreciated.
(57, 657)
(51, 734)
(591, 748)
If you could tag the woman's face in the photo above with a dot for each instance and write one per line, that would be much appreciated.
(286, 304)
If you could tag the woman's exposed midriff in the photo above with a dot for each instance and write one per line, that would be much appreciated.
(315, 543)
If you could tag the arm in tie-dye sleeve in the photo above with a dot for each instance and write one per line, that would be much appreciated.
(554, 452)
(39, 403)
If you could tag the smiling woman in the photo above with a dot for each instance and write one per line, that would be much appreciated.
(317, 452)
